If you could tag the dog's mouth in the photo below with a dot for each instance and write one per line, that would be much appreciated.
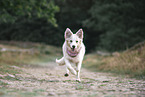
(73, 49)
(73, 52)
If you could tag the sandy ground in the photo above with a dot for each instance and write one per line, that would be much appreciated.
(47, 80)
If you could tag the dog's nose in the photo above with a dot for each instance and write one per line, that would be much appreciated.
(73, 46)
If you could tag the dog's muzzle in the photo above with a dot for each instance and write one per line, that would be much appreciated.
(73, 48)
(73, 52)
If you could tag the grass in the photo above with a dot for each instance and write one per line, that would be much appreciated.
(130, 62)
(6, 68)
(3, 83)
(4, 92)
(23, 53)
(17, 55)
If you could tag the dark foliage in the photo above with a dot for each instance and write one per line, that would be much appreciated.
(120, 23)
(111, 25)
(35, 30)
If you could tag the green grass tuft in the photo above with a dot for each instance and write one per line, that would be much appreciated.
(3, 83)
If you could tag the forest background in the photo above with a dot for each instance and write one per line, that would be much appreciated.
(109, 25)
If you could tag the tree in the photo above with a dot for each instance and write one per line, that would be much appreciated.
(12, 10)
(29, 20)
(119, 22)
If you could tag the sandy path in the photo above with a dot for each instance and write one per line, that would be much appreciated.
(48, 80)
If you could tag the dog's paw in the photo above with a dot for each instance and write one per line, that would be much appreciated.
(78, 80)
(66, 75)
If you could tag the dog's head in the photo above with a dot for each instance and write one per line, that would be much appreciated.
(74, 40)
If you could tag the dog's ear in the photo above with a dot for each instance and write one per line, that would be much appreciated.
(68, 33)
(80, 33)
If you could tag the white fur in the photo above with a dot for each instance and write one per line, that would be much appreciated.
(70, 41)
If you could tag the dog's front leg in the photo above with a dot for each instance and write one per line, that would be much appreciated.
(78, 65)
(67, 72)
(69, 67)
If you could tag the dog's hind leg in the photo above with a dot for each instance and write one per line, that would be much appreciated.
(60, 61)
(70, 68)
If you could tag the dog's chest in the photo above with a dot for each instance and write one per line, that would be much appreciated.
(74, 60)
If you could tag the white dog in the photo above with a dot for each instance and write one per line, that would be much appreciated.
(73, 52)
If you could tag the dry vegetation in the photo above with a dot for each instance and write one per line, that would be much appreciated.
(23, 53)
(29, 70)
(130, 62)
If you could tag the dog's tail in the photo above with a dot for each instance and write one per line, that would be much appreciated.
(60, 62)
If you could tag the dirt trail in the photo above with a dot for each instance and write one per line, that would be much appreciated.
(47, 80)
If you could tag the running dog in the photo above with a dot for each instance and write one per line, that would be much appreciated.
(73, 52)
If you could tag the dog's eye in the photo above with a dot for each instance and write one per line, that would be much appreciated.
(70, 40)
(76, 41)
